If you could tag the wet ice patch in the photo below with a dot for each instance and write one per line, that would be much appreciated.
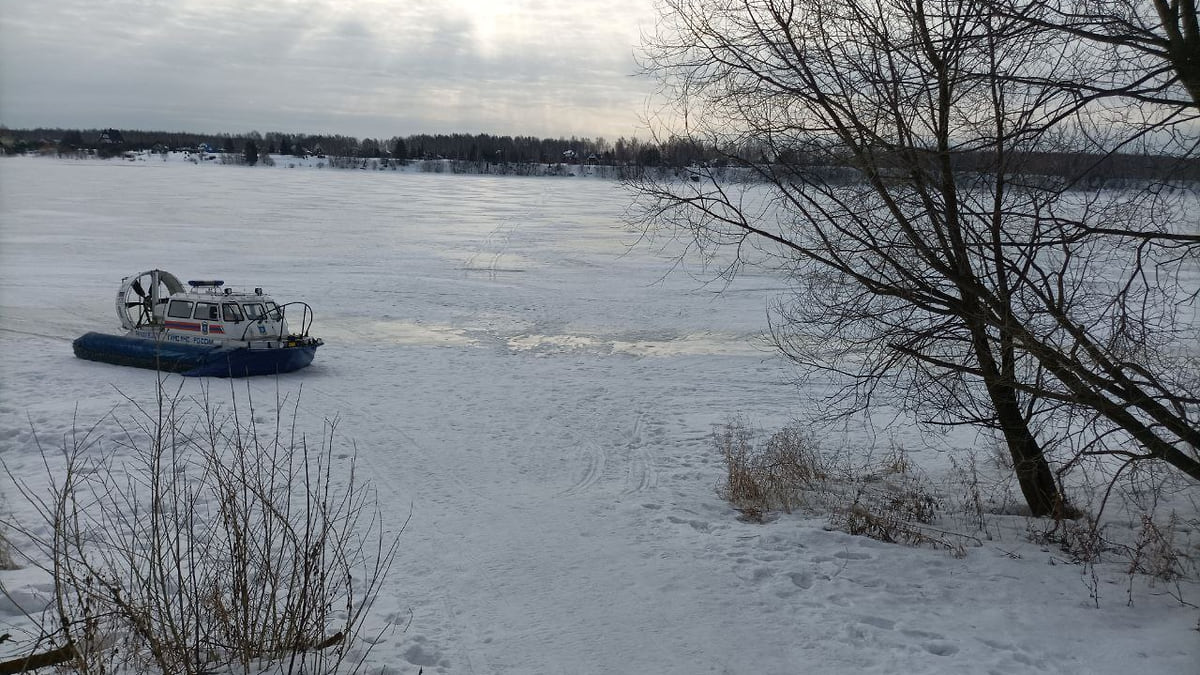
(398, 332)
(665, 346)
(557, 343)
(694, 344)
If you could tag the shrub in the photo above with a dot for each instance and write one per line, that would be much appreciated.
(1156, 553)
(890, 500)
(200, 540)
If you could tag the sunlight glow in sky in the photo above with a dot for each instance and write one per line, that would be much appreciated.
(366, 68)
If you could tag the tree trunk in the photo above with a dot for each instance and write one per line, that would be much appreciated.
(1029, 462)
(1033, 471)
(1182, 29)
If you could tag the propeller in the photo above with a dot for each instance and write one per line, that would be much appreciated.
(145, 301)
(147, 291)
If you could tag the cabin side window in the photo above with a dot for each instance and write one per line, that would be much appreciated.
(230, 312)
(205, 311)
(273, 311)
(180, 309)
(254, 311)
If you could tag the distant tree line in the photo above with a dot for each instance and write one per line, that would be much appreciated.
(489, 149)
(466, 147)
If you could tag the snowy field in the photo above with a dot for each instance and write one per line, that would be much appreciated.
(540, 393)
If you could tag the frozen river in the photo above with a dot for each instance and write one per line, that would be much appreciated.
(539, 388)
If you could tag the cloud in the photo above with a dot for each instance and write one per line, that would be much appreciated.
(365, 68)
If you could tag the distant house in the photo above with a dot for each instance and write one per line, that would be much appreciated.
(110, 137)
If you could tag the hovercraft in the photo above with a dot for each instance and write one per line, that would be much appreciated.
(202, 330)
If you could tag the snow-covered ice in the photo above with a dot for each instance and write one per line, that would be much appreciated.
(539, 390)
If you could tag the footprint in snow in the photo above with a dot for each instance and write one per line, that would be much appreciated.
(941, 648)
(878, 622)
(803, 580)
(420, 654)
(922, 634)
(698, 525)
(761, 574)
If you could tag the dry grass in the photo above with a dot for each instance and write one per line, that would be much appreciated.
(773, 477)
(6, 557)
(888, 498)
(885, 498)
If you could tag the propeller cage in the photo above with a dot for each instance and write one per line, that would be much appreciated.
(141, 297)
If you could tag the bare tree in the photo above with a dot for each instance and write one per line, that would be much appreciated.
(1141, 57)
(934, 266)
(1150, 48)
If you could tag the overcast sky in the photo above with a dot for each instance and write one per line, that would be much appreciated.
(364, 68)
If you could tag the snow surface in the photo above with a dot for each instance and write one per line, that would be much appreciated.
(530, 381)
